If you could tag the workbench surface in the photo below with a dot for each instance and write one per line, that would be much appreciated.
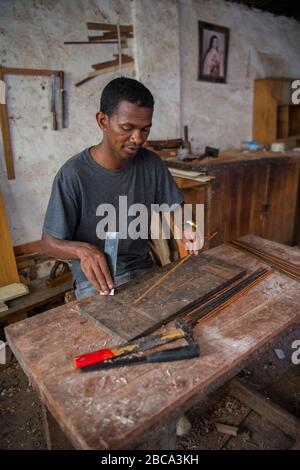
(117, 407)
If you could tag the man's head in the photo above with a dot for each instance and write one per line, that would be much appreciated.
(125, 116)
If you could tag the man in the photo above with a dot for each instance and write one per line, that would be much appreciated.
(118, 166)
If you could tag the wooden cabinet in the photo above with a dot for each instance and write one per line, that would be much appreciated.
(258, 196)
(274, 116)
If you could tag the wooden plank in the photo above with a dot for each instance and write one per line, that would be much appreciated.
(159, 245)
(123, 43)
(283, 121)
(8, 153)
(12, 291)
(281, 214)
(265, 111)
(100, 72)
(30, 72)
(287, 253)
(110, 63)
(109, 27)
(184, 183)
(197, 277)
(227, 429)
(110, 35)
(8, 267)
(262, 405)
(28, 248)
(126, 63)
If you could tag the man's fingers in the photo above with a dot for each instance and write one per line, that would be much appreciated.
(92, 278)
(106, 273)
(101, 279)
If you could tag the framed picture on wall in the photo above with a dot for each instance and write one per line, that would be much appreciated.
(213, 52)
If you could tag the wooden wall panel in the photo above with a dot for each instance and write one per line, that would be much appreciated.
(282, 188)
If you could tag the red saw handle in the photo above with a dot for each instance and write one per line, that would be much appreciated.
(92, 358)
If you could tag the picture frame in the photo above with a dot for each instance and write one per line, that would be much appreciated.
(213, 52)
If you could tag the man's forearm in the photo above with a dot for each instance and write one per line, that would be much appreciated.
(62, 249)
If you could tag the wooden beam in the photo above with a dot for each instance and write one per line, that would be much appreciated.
(8, 272)
(94, 74)
(110, 35)
(28, 248)
(110, 63)
(110, 68)
(93, 42)
(278, 416)
(109, 27)
(31, 72)
(8, 154)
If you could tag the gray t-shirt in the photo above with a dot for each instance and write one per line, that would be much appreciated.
(82, 185)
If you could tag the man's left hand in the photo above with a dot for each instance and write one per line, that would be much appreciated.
(193, 240)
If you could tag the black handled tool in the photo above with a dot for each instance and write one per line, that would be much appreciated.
(176, 354)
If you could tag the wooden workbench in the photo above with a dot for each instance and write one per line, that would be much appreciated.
(122, 407)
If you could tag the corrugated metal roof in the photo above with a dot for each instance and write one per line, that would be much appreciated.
(290, 8)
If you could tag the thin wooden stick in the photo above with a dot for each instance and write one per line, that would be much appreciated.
(162, 278)
(136, 301)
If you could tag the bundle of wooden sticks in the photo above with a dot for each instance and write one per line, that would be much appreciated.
(276, 262)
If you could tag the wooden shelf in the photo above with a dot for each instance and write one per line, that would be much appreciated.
(274, 115)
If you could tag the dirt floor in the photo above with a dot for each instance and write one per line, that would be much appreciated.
(21, 416)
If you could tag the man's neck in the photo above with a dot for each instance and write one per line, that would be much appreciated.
(105, 157)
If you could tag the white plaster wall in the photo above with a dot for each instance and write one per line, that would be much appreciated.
(157, 58)
(261, 45)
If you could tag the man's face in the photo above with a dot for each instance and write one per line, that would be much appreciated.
(127, 129)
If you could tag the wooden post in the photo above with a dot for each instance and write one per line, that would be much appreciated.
(6, 136)
(8, 266)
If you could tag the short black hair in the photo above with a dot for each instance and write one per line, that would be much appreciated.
(124, 89)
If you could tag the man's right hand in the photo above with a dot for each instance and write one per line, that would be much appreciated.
(94, 265)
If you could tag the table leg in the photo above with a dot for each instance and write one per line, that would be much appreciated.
(55, 438)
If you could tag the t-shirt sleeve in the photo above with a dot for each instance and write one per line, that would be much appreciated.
(62, 212)
(167, 190)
